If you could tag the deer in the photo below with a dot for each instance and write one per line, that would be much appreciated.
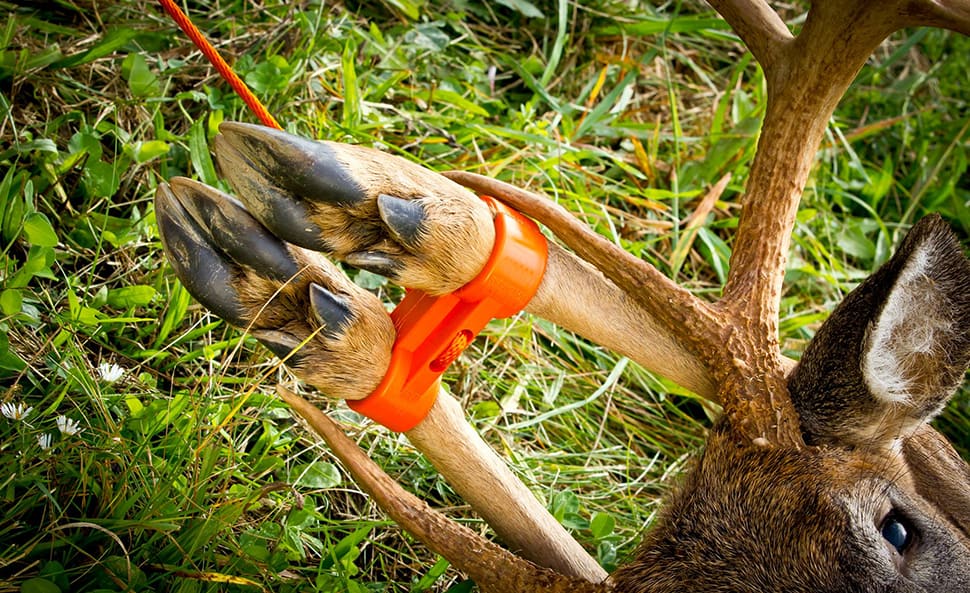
(821, 474)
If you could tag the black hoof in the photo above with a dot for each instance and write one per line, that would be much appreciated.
(280, 343)
(286, 215)
(376, 262)
(331, 311)
(203, 270)
(233, 230)
(304, 167)
(404, 219)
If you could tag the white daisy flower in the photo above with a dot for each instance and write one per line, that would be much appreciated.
(67, 425)
(17, 411)
(110, 372)
(44, 440)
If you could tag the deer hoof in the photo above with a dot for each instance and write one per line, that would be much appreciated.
(359, 205)
(404, 219)
(303, 167)
(196, 229)
(228, 227)
(330, 332)
(283, 344)
(379, 263)
(331, 311)
(280, 210)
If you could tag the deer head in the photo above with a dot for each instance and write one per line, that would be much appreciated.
(821, 477)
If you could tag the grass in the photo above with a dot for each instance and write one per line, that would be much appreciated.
(187, 474)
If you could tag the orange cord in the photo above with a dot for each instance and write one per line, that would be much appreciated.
(216, 60)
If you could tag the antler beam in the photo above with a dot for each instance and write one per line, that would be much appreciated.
(707, 333)
(490, 566)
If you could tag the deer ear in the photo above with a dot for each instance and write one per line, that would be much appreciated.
(894, 351)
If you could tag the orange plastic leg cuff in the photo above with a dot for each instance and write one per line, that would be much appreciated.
(433, 330)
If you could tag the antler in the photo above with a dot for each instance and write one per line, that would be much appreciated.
(491, 567)
(806, 75)
(736, 338)
(709, 334)
(483, 480)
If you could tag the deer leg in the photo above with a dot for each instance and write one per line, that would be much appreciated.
(373, 211)
(485, 482)
(332, 333)
(338, 337)
(392, 217)
(491, 567)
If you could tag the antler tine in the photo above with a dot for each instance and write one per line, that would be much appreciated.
(757, 24)
(897, 14)
(946, 14)
(493, 568)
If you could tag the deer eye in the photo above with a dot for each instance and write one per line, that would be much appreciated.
(897, 532)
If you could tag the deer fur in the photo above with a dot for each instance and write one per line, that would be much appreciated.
(831, 501)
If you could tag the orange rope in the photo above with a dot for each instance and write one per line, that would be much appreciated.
(227, 73)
